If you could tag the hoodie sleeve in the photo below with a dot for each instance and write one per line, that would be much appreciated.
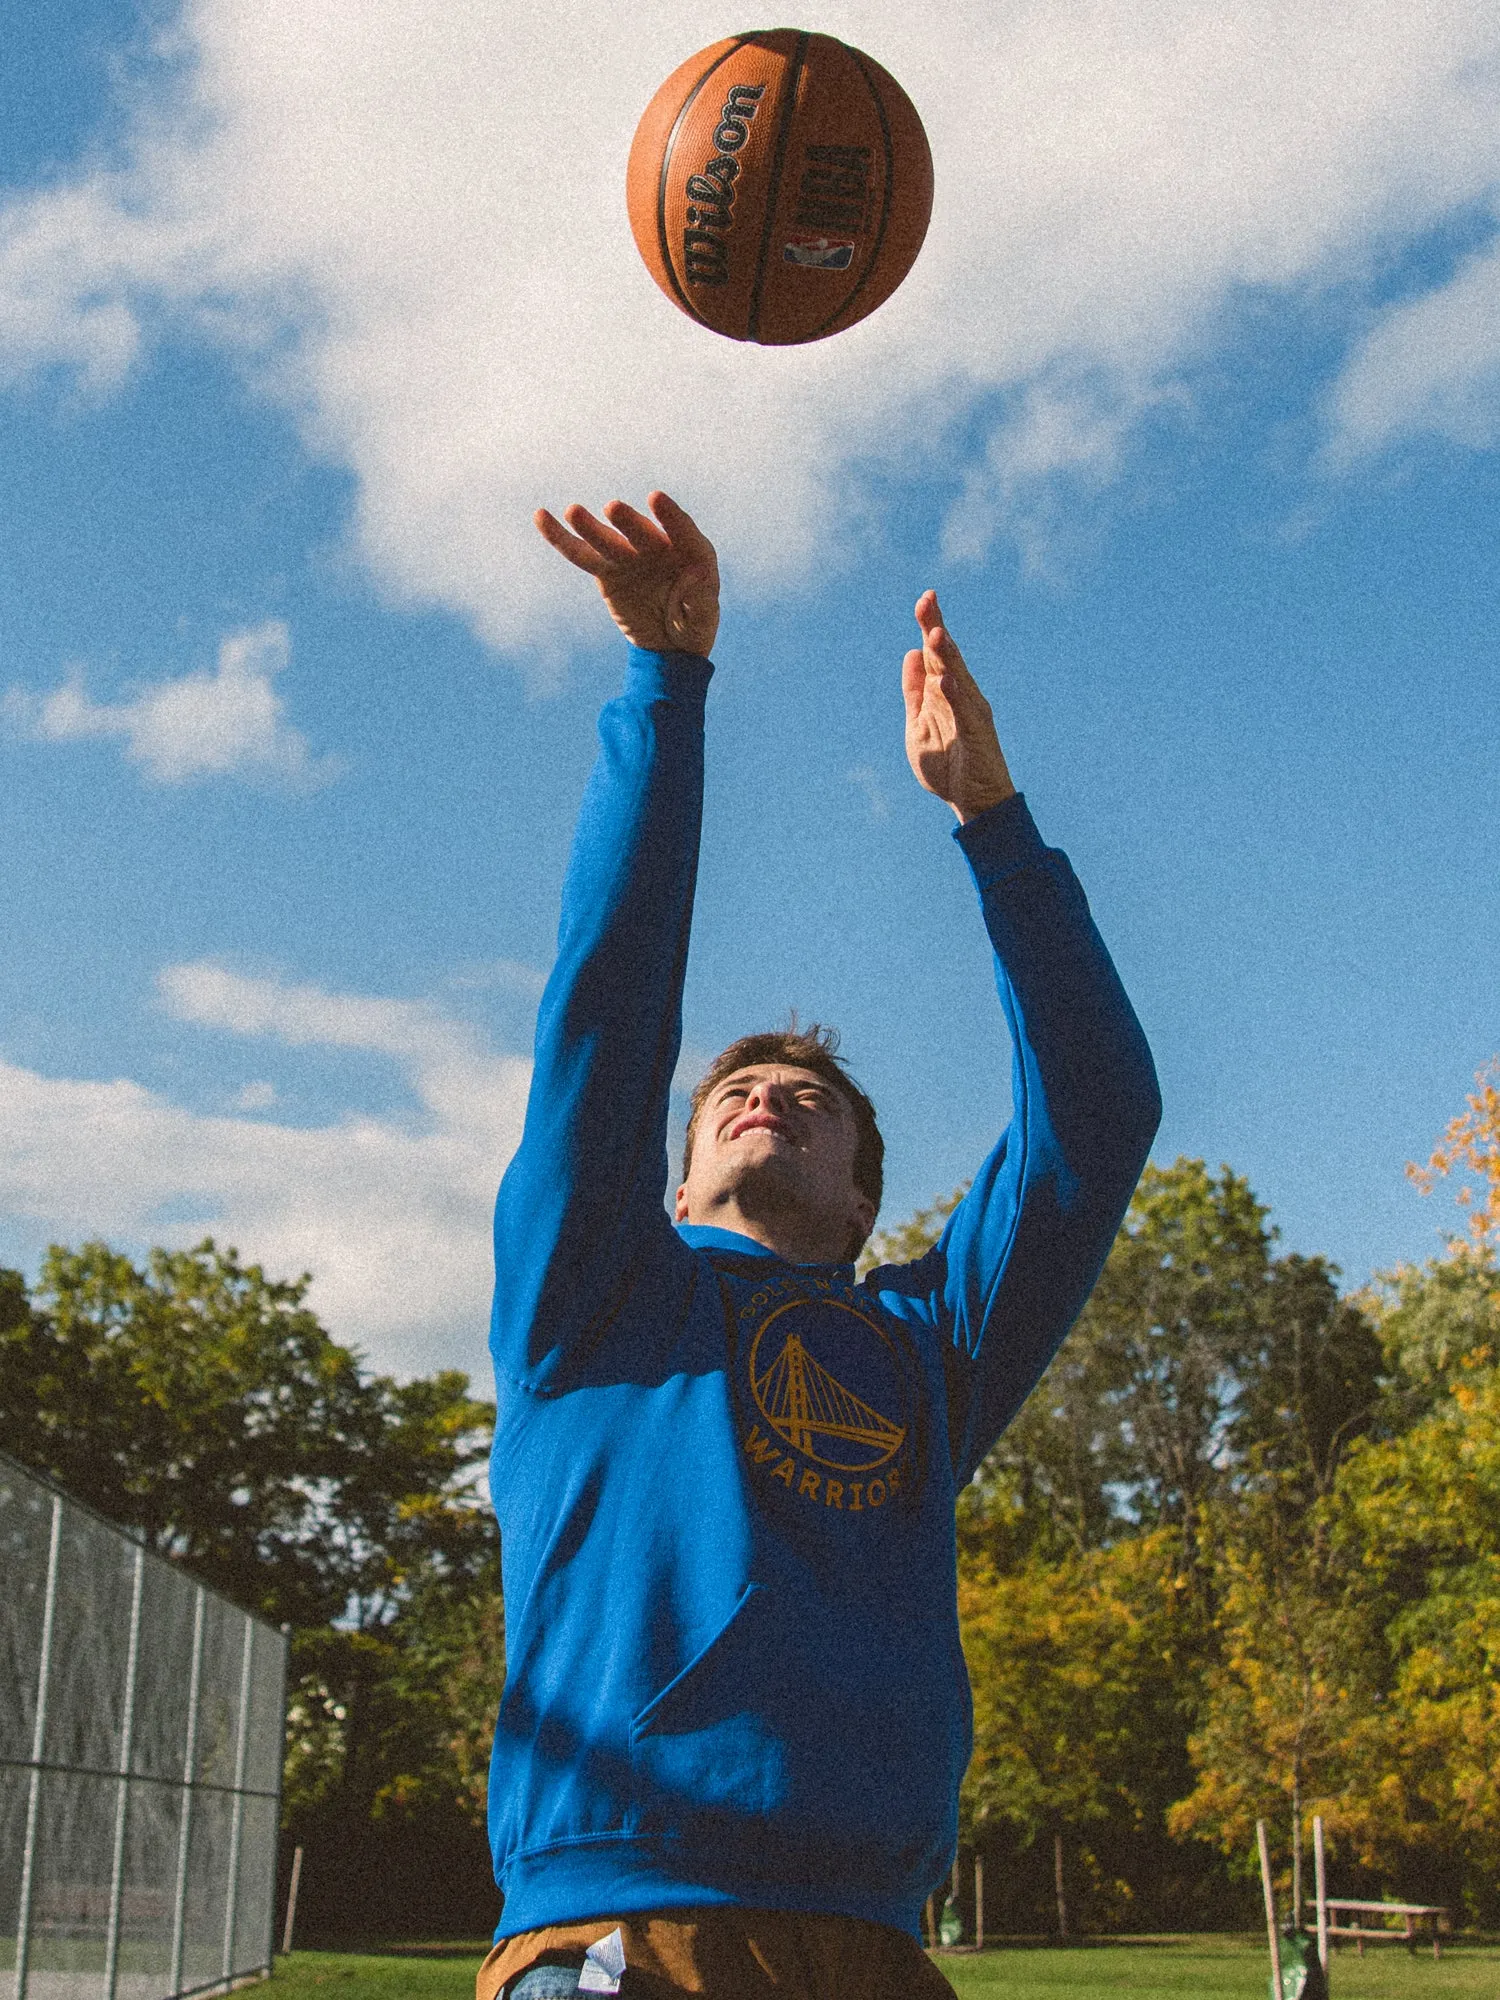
(1023, 1249)
(581, 1204)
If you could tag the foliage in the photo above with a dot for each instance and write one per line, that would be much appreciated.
(1471, 1144)
(1238, 1557)
(1295, 1672)
(913, 1238)
(1422, 1511)
(202, 1402)
(1074, 1665)
(1175, 1317)
(1357, 1584)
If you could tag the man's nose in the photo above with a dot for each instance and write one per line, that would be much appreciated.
(769, 1095)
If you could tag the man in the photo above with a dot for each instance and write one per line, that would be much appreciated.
(736, 1714)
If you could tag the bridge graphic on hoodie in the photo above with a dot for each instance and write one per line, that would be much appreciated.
(803, 1402)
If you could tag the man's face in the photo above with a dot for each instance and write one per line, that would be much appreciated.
(778, 1144)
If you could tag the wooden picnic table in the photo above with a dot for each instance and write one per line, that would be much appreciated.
(1435, 1913)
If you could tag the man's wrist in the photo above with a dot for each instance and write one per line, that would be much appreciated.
(971, 807)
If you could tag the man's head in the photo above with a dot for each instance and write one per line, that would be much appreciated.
(782, 1144)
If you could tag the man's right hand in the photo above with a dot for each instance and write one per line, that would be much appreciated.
(659, 578)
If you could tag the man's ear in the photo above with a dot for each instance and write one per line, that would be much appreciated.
(864, 1216)
(679, 1204)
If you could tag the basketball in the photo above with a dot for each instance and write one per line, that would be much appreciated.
(779, 186)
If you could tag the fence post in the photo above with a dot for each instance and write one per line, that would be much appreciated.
(286, 1660)
(189, 1769)
(38, 1744)
(978, 1900)
(1270, 1896)
(122, 1794)
(291, 1903)
(237, 1820)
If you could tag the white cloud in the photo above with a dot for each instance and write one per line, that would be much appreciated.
(1432, 364)
(390, 1214)
(867, 779)
(409, 221)
(228, 722)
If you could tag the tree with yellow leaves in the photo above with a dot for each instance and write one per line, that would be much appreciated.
(1471, 1145)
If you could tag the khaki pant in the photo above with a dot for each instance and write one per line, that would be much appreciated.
(731, 1954)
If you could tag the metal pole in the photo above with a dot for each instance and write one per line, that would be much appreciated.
(38, 1743)
(189, 1771)
(978, 1900)
(1320, 1883)
(1265, 1883)
(285, 1635)
(122, 1794)
(291, 1902)
(236, 1824)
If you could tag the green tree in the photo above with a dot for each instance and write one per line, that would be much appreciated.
(1295, 1670)
(1141, 1419)
(1310, 1383)
(1176, 1318)
(202, 1402)
(1420, 1512)
(1080, 1668)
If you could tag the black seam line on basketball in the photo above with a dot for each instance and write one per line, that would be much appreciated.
(666, 161)
(885, 207)
(773, 192)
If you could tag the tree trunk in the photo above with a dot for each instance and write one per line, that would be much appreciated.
(1057, 1873)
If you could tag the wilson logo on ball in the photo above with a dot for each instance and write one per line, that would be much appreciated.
(705, 252)
(779, 186)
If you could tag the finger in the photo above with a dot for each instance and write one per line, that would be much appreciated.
(927, 612)
(681, 529)
(603, 539)
(939, 646)
(951, 675)
(643, 536)
(913, 682)
(578, 553)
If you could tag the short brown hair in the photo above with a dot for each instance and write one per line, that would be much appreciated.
(813, 1048)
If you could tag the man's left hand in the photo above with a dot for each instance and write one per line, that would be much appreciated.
(660, 578)
(951, 742)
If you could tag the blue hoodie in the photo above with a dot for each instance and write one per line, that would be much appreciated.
(726, 1483)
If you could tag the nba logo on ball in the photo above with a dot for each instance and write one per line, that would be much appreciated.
(817, 253)
(779, 186)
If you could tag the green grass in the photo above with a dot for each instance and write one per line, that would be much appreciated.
(427, 1973)
(1209, 1968)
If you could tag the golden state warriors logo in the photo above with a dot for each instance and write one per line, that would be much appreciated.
(833, 1388)
(806, 1404)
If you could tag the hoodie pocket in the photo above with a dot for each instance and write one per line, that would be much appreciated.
(704, 1743)
(786, 1748)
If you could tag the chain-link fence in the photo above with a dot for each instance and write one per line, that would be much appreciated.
(141, 1725)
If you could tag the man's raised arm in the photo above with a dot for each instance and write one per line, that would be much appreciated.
(583, 1196)
(1022, 1251)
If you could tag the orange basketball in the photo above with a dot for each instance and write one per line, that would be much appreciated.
(779, 186)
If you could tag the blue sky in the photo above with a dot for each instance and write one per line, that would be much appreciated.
(1189, 412)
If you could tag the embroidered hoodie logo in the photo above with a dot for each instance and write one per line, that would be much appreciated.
(832, 1388)
(807, 1405)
